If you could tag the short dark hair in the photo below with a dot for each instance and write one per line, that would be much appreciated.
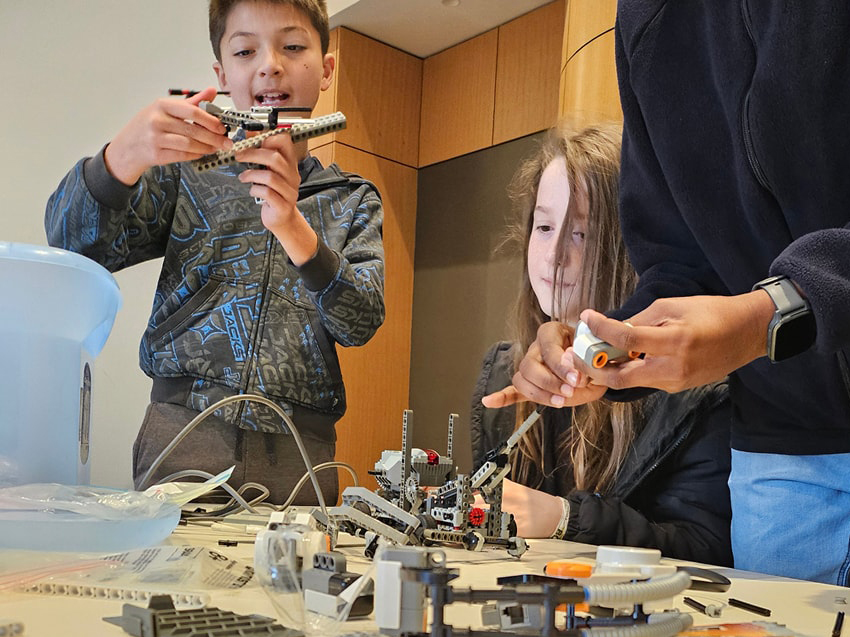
(316, 10)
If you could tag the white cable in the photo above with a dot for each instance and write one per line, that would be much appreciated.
(145, 480)
(235, 494)
(319, 467)
(636, 592)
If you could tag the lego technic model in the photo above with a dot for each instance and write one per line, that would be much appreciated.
(266, 121)
(422, 500)
(408, 576)
(629, 600)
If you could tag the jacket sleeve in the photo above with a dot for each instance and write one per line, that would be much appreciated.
(96, 215)
(681, 508)
(818, 263)
(490, 427)
(347, 286)
(665, 253)
(661, 247)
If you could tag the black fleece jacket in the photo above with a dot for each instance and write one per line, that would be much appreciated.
(671, 492)
(735, 166)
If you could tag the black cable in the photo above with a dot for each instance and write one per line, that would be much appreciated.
(704, 579)
(595, 37)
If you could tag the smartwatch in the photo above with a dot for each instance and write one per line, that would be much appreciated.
(792, 329)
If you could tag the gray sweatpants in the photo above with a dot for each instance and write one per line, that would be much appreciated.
(273, 460)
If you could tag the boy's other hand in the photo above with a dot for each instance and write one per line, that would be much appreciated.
(167, 131)
(276, 182)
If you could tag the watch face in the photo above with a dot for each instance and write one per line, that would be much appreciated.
(793, 336)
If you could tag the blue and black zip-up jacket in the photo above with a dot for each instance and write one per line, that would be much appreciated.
(232, 314)
(735, 166)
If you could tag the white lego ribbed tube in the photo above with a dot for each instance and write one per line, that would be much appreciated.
(668, 625)
(635, 593)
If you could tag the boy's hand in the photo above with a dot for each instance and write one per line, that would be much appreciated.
(536, 513)
(167, 131)
(547, 374)
(276, 183)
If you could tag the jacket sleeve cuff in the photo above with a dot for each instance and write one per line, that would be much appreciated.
(106, 189)
(319, 272)
(628, 395)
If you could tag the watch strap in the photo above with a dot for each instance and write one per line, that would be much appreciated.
(783, 293)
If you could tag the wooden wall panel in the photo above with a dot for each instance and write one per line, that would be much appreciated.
(378, 89)
(589, 90)
(584, 20)
(458, 90)
(527, 73)
(376, 375)
(327, 99)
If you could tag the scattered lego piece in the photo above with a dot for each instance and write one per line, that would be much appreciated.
(9, 628)
(160, 619)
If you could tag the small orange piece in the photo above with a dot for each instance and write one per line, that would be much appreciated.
(572, 570)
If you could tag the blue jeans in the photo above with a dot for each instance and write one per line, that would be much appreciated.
(791, 515)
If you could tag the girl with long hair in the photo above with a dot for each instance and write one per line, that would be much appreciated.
(650, 472)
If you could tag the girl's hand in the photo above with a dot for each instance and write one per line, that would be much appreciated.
(547, 375)
(536, 513)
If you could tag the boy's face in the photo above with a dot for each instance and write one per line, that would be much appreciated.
(271, 56)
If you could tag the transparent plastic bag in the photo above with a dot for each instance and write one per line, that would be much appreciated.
(81, 518)
(95, 502)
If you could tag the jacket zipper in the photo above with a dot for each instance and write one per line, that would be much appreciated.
(655, 465)
(745, 111)
(266, 295)
(255, 341)
(845, 371)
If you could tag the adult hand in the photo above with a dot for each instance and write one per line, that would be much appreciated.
(536, 513)
(686, 341)
(167, 131)
(276, 183)
(547, 374)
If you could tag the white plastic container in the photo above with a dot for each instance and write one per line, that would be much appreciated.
(56, 311)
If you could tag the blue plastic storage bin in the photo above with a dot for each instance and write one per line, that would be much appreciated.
(56, 311)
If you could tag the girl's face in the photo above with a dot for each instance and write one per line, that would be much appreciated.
(550, 214)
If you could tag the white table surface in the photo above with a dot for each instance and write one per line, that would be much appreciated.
(805, 607)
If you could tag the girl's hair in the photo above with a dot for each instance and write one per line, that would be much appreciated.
(600, 433)
(315, 10)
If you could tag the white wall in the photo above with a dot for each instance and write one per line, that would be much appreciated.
(72, 74)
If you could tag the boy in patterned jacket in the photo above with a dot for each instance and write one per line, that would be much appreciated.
(252, 297)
